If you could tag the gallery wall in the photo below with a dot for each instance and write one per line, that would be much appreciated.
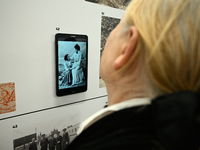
(27, 65)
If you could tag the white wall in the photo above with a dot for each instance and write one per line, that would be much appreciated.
(27, 57)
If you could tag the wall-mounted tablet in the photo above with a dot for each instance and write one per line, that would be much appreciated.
(71, 63)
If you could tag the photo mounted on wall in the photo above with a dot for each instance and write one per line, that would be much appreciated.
(7, 97)
(107, 25)
(119, 4)
(71, 63)
(56, 134)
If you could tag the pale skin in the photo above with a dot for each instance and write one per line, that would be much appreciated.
(120, 46)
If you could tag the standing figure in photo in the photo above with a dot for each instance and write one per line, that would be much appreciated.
(77, 71)
(67, 75)
(55, 136)
(44, 142)
(52, 143)
(33, 145)
(59, 141)
(65, 139)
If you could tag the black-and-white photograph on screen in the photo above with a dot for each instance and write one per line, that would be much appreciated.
(119, 4)
(53, 135)
(72, 64)
(107, 25)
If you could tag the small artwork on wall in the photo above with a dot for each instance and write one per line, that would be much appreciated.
(107, 25)
(119, 4)
(7, 97)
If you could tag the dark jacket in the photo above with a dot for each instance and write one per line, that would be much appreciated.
(165, 124)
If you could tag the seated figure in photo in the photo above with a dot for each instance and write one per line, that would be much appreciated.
(67, 75)
(151, 68)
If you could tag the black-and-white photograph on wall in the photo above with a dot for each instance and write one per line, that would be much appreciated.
(119, 4)
(52, 135)
(107, 25)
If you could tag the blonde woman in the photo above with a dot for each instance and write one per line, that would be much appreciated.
(151, 67)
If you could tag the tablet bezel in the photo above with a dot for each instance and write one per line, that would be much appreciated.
(73, 38)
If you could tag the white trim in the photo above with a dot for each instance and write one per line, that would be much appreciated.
(106, 111)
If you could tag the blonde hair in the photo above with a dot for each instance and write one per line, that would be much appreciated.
(169, 42)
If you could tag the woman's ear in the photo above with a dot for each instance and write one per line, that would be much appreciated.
(129, 49)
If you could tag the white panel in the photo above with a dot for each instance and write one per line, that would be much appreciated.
(27, 57)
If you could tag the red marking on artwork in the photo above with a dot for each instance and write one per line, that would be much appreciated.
(7, 97)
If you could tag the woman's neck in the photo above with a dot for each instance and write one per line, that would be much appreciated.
(118, 93)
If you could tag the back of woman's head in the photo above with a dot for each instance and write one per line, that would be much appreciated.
(169, 42)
